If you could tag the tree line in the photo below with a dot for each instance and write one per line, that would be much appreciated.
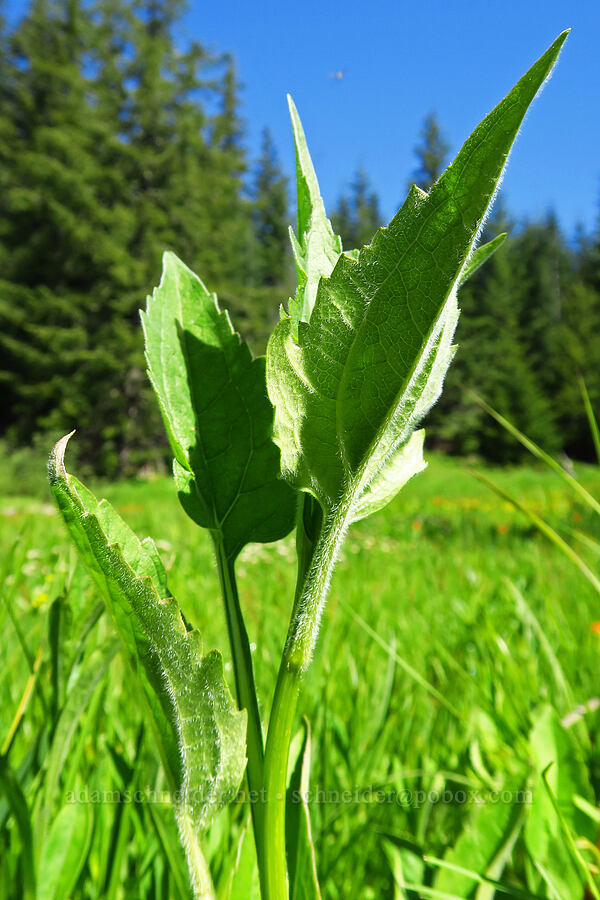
(117, 143)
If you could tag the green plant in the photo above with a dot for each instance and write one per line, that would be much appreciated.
(350, 372)
(558, 757)
(580, 493)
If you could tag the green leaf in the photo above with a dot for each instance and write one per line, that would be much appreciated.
(552, 745)
(481, 255)
(404, 462)
(64, 852)
(488, 830)
(406, 867)
(242, 877)
(351, 387)
(587, 868)
(317, 248)
(214, 403)
(199, 732)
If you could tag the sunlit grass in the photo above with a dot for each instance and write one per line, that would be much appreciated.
(433, 576)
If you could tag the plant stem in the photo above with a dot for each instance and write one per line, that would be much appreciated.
(310, 602)
(202, 883)
(274, 876)
(297, 655)
(245, 689)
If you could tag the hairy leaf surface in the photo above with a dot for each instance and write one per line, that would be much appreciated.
(481, 255)
(398, 468)
(214, 403)
(200, 733)
(350, 388)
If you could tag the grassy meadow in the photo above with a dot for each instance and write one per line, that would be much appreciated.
(455, 640)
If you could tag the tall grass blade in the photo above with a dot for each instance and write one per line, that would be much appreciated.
(529, 617)
(164, 825)
(544, 528)
(404, 665)
(536, 450)
(242, 883)
(18, 806)
(591, 416)
(88, 677)
(505, 888)
(302, 864)
(23, 704)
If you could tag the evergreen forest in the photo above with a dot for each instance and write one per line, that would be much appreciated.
(116, 144)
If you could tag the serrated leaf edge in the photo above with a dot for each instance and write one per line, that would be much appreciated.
(58, 473)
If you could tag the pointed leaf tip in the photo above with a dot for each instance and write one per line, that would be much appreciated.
(556, 46)
(346, 398)
(316, 248)
(481, 255)
(197, 727)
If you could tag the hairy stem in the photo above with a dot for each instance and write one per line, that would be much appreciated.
(297, 655)
(245, 690)
(310, 599)
(202, 884)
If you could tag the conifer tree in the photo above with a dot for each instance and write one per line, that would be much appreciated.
(58, 243)
(269, 216)
(110, 158)
(494, 359)
(542, 272)
(229, 242)
(7, 131)
(577, 349)
(357, 216)
(431, 153)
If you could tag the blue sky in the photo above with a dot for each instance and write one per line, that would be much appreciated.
(400, 60)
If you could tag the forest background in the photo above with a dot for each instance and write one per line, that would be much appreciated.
(116, 143)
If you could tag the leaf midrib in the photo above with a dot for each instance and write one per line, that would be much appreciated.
(356, 331)
(465, 167)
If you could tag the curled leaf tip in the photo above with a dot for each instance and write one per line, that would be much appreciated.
(56, 463)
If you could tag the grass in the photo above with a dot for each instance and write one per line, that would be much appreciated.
(450, 621)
